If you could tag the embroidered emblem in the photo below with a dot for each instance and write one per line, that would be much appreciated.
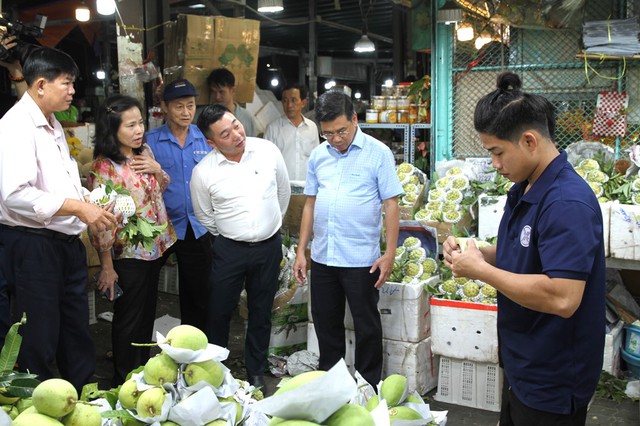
(525, 236)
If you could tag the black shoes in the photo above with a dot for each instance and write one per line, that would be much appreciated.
(257, 381)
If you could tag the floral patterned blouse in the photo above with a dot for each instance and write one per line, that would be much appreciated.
(146, 191)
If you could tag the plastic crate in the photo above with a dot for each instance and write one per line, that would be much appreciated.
(168, 282)
(464, 330)
(468, 383)
(91, 296)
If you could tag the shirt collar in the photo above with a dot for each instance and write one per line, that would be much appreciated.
(38, 117)
(358, 142)
(546, 179)
(249, 147)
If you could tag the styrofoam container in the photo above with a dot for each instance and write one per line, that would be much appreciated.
(168, 282)
(288, 338)
(606, 224)
(413, 360)
(404, 311)
(490, 210)
(469, 383)
(464, 330)
(612, 346)
(624, 231)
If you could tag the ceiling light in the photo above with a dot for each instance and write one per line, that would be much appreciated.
(364, 44)
(357, 95)
(197, 6)
(328, 85)
(83, 14)
(449, 13)
(100, 75)
(388, 83)
(270, 6)
(464, 32)
(483, 38)
(106, 7)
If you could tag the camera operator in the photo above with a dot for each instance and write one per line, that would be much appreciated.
(14, 69)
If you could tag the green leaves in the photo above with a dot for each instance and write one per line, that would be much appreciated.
(140, 230)
(11, 348)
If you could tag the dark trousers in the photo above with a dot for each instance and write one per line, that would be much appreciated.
(329, 288)
(133, 314)
(5, 300)
(515, 413)
(49, 280)
(195, 258)
(257, 267)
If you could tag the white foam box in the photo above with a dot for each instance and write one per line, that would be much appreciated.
(624, 231)
(413, 360)
(287, 339)
(168, 282)
(606, 224)
(612, 345)
(469, 383)
(490, 209)
(464, 330)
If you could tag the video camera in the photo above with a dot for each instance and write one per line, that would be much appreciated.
(18, 29)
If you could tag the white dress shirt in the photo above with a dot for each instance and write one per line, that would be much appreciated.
(295, 143)
(245, 200)
(37, 173)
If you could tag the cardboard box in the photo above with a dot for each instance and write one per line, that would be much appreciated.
(466, 226)
(490, 210)
(413, 360)
(624, 231)
(464, 330)
(407, 212)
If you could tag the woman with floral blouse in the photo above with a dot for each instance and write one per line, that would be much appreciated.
(122, 156)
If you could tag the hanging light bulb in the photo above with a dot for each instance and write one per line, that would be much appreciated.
(106, 7)
(83, 14)
(464, 32)
(364, 44)
(270, 6)
(483, 38)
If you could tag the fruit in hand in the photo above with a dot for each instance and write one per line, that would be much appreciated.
(55, 398)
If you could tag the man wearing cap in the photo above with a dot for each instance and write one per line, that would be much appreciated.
(179, 146)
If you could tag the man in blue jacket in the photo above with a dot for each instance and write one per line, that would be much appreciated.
(179, 146)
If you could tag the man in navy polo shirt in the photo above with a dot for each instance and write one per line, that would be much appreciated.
(548, 265)
(178, 146)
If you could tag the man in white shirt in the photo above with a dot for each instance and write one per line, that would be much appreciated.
(43, 210)
(240, 193)
(294, 134)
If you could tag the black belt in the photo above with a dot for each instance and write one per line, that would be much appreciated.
(49, 233)
(250, 244)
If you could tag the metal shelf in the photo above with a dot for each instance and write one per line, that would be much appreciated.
(408, 135)
(615, 263)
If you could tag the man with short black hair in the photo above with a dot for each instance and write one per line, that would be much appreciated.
(43, 210)
(222, 90)
(240, 194)
(294, 134)
(179, 146)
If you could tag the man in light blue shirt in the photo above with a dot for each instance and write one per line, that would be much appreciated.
(179, 146)
(351, 179)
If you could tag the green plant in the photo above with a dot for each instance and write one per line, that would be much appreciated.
(610, 387)
(421, 91)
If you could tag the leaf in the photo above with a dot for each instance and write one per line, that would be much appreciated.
(11, 348)
(145, 227)
(90, 391)
(122, 414)
(21, 391)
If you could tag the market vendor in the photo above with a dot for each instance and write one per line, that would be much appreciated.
(548, 265)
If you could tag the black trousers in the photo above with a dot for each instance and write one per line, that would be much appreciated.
(49, 280)
(329, 287)
(195, 258)
(133, 314)
(514, 413)
(257, 267)
(5, 298)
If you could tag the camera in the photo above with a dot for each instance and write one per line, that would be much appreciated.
(22, 49)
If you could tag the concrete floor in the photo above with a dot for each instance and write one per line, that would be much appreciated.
(602, 412)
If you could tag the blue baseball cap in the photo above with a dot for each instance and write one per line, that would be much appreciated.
(178, 89)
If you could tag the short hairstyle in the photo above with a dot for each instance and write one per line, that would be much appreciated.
(221, 77)
(507, 111)
(208, 116)
(108, 121)
(48, 63)
(301, 88)
(333, 104)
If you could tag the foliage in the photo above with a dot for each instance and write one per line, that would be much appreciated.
(421, 90)
(610, 387)
(421, 161)
(12, 383)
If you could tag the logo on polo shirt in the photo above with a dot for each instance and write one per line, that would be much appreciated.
(525, 236)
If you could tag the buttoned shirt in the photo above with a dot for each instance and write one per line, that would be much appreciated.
(245, 200)
(179, 161)
(37, 173)
(295, 143)
(349, 190)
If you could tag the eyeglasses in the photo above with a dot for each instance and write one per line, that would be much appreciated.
(342, 133)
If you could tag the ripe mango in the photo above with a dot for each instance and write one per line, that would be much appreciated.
(299, 380)
(350, 415)
(393, 389)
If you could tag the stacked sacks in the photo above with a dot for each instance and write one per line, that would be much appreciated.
(185, 384)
